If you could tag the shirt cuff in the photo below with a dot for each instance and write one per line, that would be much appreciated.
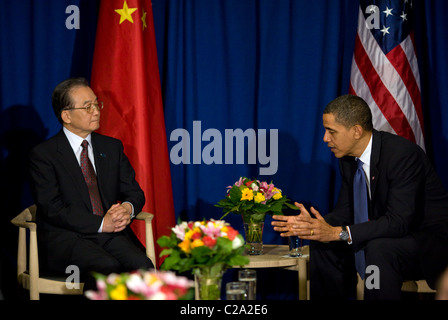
(100, 229)
(350, 235)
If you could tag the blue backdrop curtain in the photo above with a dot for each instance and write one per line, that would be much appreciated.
(228, 64)
(254, 64)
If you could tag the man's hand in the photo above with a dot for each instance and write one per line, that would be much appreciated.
(305, 226)
(117, 217)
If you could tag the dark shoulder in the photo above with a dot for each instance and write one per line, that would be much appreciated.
(49, 144)
(398, 145)
(103, 139)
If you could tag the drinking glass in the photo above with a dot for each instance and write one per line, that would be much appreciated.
(236, 290)
(295, 246)
(249, 276)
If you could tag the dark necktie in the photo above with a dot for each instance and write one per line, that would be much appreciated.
(90, 178)
(361, 211)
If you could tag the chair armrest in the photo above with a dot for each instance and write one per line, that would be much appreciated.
(23, 220)
(144, 216)
(149, 238)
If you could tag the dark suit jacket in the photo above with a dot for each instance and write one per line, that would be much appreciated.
(407, 197)
(64, 211)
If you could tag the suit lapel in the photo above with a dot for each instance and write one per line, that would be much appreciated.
(69, 161)
(101, 166)
(374, 160)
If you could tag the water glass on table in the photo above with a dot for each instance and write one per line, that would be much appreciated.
(249, 276)
(295, 246)
(236, 290)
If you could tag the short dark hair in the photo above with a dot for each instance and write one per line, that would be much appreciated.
(61, 98)
(350, 110)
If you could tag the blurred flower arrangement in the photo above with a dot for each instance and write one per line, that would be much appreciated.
(202, 243)
(207, 248)
(253, 199)
(142, 285)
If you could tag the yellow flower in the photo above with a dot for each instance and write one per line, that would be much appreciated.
(248, 194)
(188, 234)
(185, 245)
(277, 195)
(259, 198)
(119, 293)
(197, 243)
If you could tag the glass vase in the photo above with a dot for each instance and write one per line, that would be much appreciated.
(253, 228)
(208, 282)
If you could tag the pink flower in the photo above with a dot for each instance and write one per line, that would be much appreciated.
(268, 190)
(211, 229)
(239, 183)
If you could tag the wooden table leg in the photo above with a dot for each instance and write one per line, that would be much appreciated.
(303, 274)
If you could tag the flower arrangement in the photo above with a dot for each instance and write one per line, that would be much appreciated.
(142, 285)
(200, 244)
(207, 248)
(253, 199)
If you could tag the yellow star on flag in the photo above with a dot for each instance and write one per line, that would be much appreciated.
(144, 20)
(126, 13)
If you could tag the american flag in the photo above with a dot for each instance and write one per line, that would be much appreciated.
(385, 69)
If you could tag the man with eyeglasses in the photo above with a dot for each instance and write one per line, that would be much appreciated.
(85, 191)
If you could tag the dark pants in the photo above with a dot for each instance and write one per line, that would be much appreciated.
(333, 274)
(107, 253)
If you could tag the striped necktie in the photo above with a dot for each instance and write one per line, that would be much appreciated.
(90, 178)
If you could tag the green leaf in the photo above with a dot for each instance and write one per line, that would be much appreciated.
(201, 254)
(224, 245)
(171, 261)
(291, 206)
(222, 203)
(235, 194)
(165, 252)
(165, 241)
(238, 260)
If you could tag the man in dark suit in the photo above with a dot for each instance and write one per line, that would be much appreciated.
(86, 193)
(405, 235)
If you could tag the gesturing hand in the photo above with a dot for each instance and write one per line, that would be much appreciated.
(305, 226)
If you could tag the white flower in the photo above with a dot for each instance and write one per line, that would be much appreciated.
(136, 284)
(179, 230)
(254, 186)
(237, 242)
(157, 296)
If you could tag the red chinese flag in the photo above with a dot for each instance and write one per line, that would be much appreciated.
(125, 77)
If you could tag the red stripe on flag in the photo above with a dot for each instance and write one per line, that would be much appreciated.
(399, 60)
(385, 101)
(351, 90)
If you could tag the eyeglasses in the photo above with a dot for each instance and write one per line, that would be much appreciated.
(91, 107)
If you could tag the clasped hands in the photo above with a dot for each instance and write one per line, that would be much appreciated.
(305, 226)
(117, 217)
